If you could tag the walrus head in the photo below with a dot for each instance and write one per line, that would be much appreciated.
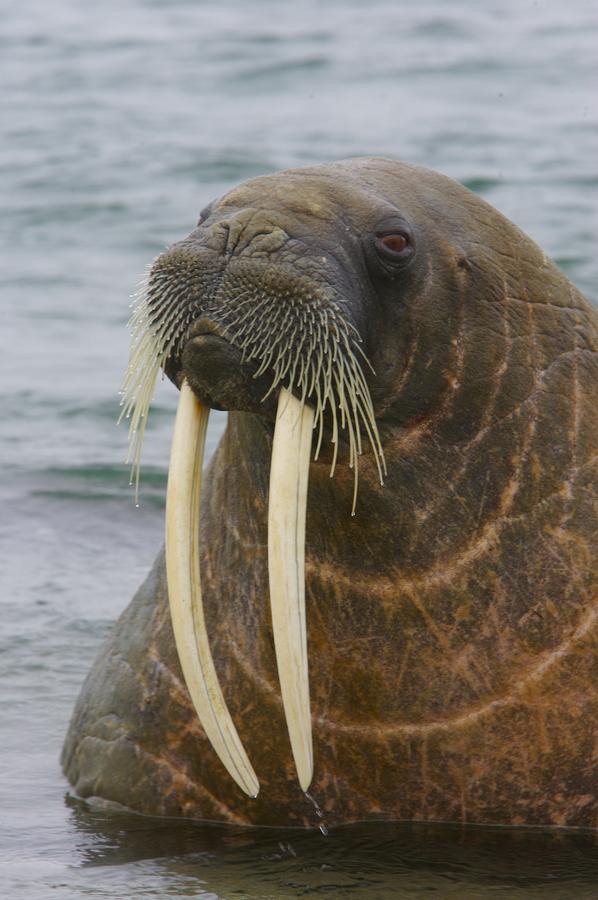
(310, 299)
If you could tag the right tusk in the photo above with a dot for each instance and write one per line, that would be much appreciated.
(289, 472)
(184, 589)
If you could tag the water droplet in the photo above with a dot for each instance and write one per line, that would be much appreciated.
(315, 804)
(319, 813)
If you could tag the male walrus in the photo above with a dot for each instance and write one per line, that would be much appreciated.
(451, 623)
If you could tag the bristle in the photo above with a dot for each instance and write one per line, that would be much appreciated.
(303, 338)
(152, 342)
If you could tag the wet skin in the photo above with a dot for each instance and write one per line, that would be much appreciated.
(452, 623)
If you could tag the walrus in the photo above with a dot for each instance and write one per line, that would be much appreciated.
(384, 589)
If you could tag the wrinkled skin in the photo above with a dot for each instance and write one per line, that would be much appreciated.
(453, 622)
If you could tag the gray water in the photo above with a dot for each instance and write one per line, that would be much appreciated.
(120, 120)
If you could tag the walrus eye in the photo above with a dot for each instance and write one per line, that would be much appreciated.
(395, 242)
(394, 246)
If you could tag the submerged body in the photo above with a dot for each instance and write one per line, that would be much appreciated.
(452, 623)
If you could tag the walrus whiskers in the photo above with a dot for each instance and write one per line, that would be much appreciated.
(289, 336)
(147, 356)
(153, 340)
(286, 334)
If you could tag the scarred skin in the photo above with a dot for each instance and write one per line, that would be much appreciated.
(453, 622)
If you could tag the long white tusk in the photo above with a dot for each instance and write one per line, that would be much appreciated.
(184, 589)
(289, 471)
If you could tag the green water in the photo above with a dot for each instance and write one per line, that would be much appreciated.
(120, 121)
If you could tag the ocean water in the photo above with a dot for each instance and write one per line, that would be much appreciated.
(119, 122)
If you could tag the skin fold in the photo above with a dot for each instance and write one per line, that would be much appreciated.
(452, 623)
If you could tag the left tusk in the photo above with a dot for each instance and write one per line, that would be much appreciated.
(289, 472)
(184, 589)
